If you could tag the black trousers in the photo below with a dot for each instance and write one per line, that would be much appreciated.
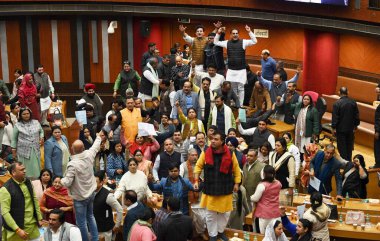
(345, 143)
(376, 150)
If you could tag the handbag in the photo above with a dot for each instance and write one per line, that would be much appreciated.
(57, 118)
(355, 217)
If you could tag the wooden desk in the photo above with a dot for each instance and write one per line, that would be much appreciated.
(342, 230)
(280, 128)
(353, 204)
(4, 179)
(230, 233)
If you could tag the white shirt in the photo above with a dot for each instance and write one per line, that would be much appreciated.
(156, 166)
(74, 234)
(115, 205)
(216, 81)
(246, 42)
(150, 76)
(134, 181)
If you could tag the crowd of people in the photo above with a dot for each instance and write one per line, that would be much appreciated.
(208, 168)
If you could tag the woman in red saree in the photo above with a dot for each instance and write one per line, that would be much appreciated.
(27, 94)
(57, 196)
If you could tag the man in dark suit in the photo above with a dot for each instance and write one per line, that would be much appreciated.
(177, 226)
(345, 120)
(134, 207)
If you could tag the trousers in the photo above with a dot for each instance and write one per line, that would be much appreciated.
(216, 222)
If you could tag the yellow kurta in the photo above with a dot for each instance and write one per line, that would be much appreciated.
(129, 123)
(220, 204)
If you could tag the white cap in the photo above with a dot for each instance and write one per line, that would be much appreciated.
(265, 51)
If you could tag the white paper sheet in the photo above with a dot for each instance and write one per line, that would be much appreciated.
(300, 211)
(146, 129)
(315, 183)
(80, 115)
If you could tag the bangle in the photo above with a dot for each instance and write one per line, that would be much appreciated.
(17, 229)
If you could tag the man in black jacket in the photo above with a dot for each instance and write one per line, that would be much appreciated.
(177, 226)
(135, 208)
(376, 146)
(345, 120)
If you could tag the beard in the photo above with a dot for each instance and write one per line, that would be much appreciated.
(91, 96)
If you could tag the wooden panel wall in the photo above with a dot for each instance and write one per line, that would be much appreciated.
(360, 53)
(356, 52)
(46, 47)
(115, 52)
(96, 68)
(363, 14)
(14, 47)
(283, 43)
(65, 63)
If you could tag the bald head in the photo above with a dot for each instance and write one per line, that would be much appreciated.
(178, 60)
(343, 91)
(77, 147)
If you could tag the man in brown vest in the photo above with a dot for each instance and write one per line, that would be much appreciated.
(198, 43)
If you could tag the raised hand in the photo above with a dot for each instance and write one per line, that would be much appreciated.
(299, 68)
(247, 28)
(182, 28)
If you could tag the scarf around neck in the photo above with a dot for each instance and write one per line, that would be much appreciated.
(155, 86)
(226, 164)
(62, 195)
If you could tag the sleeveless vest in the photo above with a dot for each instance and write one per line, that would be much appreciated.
(269, 202)
(198, 47)
(63, 236)
(43, 82)
(215, 182)
(146, 86)
(17, 210)
(184, 199)
(277, 91)
(103, 212)
(128, 79)
(259, 138)
(165, 160)
(236, 54)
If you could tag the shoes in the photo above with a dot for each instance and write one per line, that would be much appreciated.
(222, 236)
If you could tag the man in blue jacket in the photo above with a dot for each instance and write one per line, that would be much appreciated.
(324, 166)
(174, 186)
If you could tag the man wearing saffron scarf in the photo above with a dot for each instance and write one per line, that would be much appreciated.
(221, 178)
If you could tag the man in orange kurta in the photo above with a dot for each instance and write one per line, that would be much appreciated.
(129, 118)
(221, 177)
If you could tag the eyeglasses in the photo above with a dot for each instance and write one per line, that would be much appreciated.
(138, 155)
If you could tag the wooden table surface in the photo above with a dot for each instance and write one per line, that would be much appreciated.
(279, 128)
(352, 204)
(342, 230)
(4, 179)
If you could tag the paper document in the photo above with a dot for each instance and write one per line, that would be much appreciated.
(80, 115)
(242, 115)
(315, 183)
(300, 211)
(146, 129)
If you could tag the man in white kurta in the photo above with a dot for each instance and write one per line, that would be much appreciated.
(236, 73)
